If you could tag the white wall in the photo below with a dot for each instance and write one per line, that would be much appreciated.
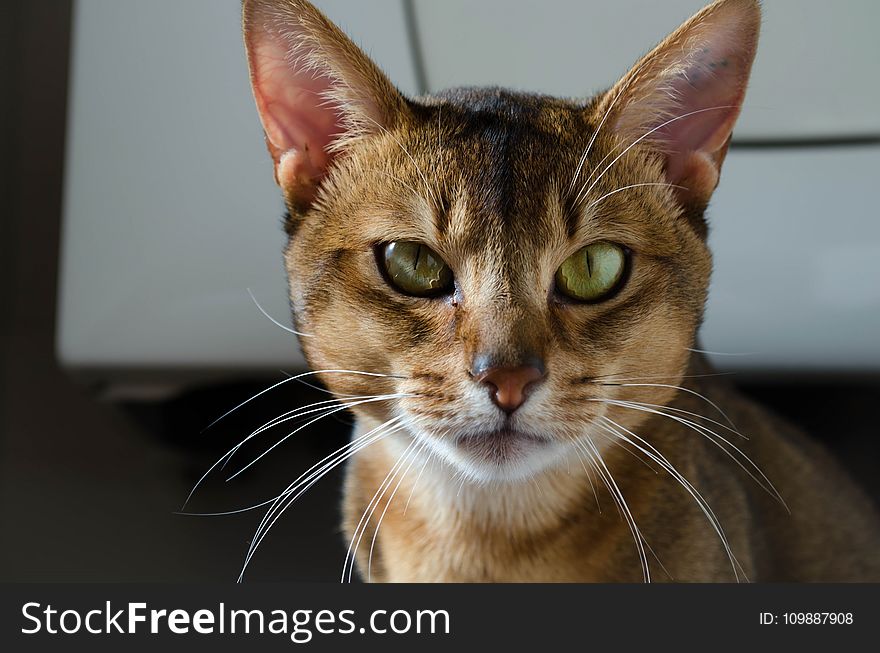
(815, 72)
(170, 210)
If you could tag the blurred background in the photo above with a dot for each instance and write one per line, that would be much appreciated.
(139, 214)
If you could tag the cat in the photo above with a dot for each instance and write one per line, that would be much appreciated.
(505, 289)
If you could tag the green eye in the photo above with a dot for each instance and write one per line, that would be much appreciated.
(592, 273)
(416, 269)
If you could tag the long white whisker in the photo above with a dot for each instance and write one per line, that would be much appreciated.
(274, 321)
(651, 451)
(413, 458)
(309, 423)
(363, 524)
(279, 496)
(221, 462)
(287, 498)
(732, 426)
(226, 513)
(630, 452)
(711, 436)
(225, 458)
(596, 380)
(620, 190)
(292, 414)
(706, 432)
(294, 378)
(324, 466)
(412, 491)
(723, 353)
(643, 137)
(361, 527)
(644, 541)
(589, 477)
(630, 520)
(311, 408)
(607, 113)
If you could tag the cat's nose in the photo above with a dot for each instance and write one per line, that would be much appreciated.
(509, 386)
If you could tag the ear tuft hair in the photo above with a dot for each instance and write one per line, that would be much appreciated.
(684, 97)
(316, 91)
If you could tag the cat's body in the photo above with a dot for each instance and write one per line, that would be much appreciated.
(513, 284)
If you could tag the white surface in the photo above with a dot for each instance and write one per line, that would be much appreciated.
(171, 212)
(170, 208)
(796, 236)
(815, 72)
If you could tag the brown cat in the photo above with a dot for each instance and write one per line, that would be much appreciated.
(514, 283)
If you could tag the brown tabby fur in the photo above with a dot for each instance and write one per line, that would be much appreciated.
(482, 176)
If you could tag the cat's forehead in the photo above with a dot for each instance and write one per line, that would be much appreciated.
(496, 175)
(498, 158)
(503, 172)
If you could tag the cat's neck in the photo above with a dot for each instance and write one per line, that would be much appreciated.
(439, 527)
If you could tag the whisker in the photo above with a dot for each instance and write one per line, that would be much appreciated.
(607, 113)
(294, 378)
(226, 513)
(630, 520)
(361, 527)
(592, 379)
(274, 321)
(619, 190)
(701, 502)
(348, 445)
(411, 158)
(618, 444)
(225, 458)
(309, 423)
(304, 410)
(723, 353)
(711, 436)
(305, 480)
(299, 487)
(589, 478)
(222, 461)
(691, 392)
(429, 458)
(643, 137)
(259, 394)
(413, 458)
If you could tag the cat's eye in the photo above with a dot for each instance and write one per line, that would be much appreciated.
(592, 273)
(415, 269)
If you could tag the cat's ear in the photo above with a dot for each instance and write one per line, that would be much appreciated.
(316, 91)
(684, 97)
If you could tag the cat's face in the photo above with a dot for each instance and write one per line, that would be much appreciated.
(499, 208)
(507, 262)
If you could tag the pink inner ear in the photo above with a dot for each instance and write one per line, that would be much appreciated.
(686, 95)
(299, 121)
(709, 93)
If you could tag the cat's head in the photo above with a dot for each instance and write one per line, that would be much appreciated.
(511, 262)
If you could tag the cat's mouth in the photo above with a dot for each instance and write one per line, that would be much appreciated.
(500, 447)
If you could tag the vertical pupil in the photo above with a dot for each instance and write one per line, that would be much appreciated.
(416, 268)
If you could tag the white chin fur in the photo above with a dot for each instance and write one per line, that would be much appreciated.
(521, 464)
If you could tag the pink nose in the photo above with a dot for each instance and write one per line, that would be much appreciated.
(509, 385)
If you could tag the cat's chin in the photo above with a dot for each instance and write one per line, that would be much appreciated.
(504, 455)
